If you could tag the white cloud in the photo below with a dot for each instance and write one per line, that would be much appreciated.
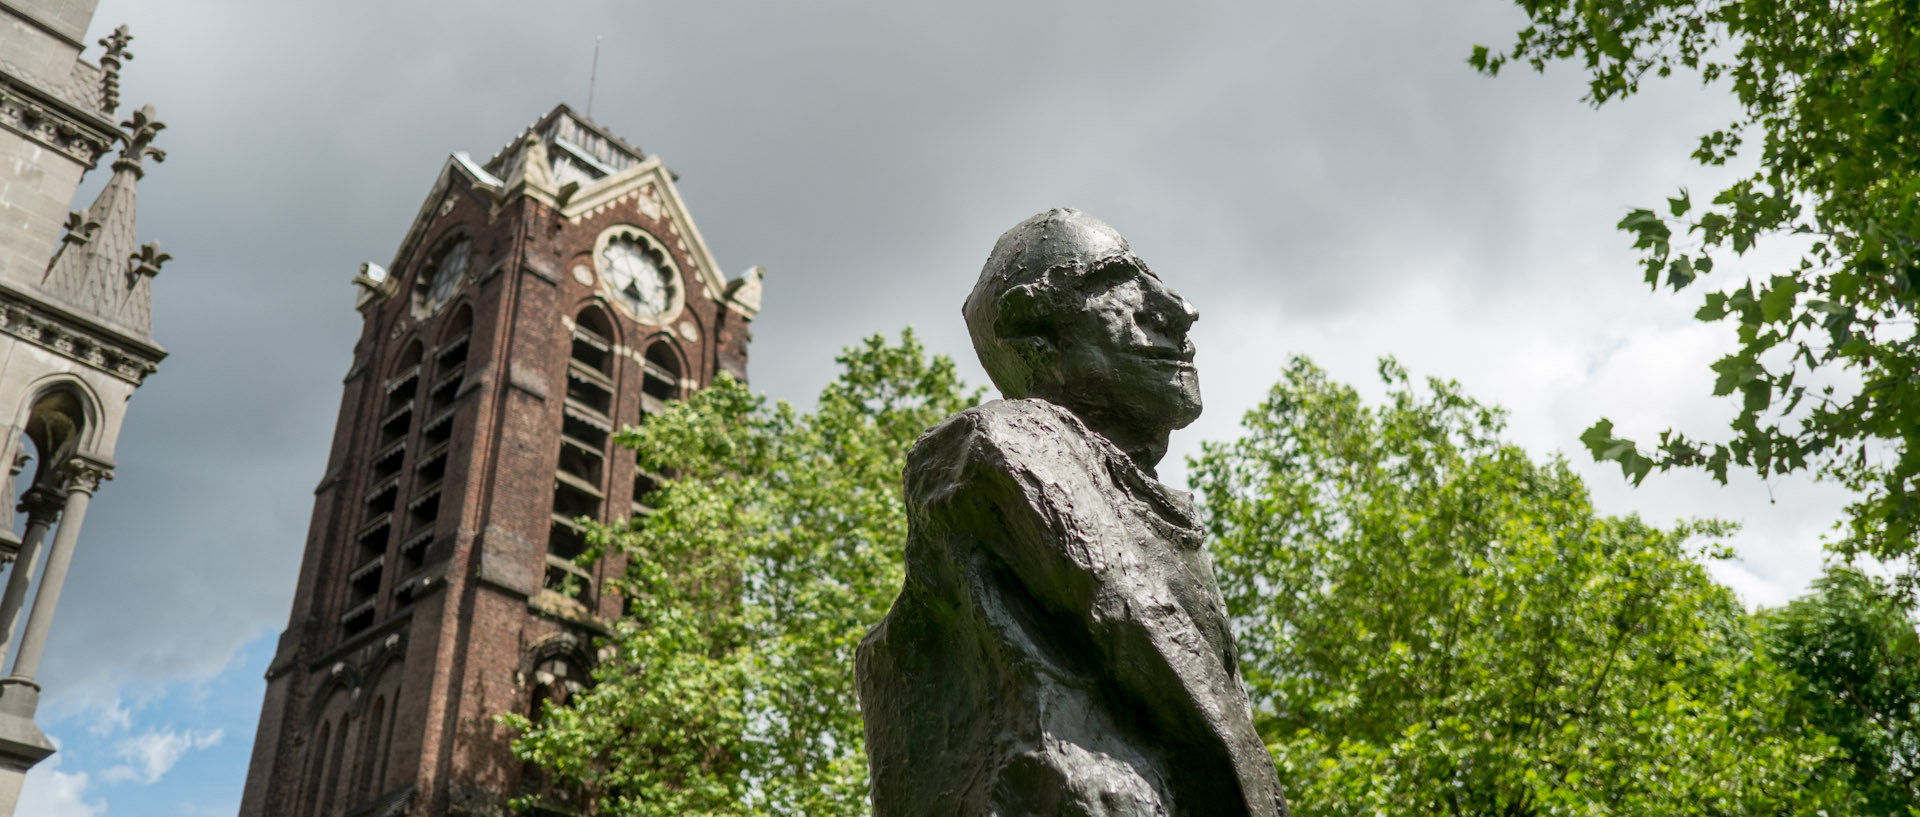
(50, 792)
(150, 756)
(110, 716)
(1557, 369)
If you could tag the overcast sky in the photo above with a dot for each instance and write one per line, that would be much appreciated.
(1327, 179)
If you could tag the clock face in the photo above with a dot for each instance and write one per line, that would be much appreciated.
(448, 271)
(636, 277)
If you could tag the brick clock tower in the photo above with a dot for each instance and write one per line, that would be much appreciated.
(538, 302)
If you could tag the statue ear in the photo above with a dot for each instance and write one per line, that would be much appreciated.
(1021, 312)
(1024, 326)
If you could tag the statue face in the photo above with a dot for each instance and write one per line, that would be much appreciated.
(1124, 356)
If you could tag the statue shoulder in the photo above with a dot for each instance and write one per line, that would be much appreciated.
(1017, 427)
(1007, 436)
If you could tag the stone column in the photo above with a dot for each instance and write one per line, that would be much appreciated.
(42, 508)
(8, 541)
(82, 479)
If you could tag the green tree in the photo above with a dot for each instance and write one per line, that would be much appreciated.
(1829, 90)
(1433, 623)
(1853, 645)
(775, 544)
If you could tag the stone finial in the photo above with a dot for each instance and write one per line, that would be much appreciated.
(80, 228)
(140, 131)
(146, 262)
(116, 54)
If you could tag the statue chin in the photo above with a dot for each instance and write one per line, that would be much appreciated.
(1133, 409)
(1158, 408)
(1186, 408)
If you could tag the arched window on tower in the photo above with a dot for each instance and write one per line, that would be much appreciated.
(659, 383)
(450, 359)
(400, 390)
(370, 746)
(555, 682)
(663, 371)
(330, 789)
(586, 427)
(317, 770)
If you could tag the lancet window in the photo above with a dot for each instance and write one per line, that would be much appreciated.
(317, 772)
(659, 383)
(586, 428)
(400, 390)
(449, 373)
(371, 744)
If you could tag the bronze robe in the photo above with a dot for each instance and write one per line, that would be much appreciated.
(1060, 646)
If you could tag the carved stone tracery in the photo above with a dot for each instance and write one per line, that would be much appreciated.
(22, 112)
(35, 325)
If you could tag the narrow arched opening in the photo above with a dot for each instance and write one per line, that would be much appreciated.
(663, 371)
(370, 745)
(56, 425)
(593, 340)
(317, 770)
(556, 681)
(450, 359)
(330, 788)
(580, 469)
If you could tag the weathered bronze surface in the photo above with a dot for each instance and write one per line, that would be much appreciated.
(1060, 646)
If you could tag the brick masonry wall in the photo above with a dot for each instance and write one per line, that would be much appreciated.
(466, 647)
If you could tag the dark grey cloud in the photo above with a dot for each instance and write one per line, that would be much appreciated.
(1304, 171)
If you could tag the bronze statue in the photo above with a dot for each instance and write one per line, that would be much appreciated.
(1060, 646)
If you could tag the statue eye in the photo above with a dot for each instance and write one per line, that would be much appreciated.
(1111, 273)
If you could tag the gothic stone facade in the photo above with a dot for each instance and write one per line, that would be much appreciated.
(539, 302)
(76, 334)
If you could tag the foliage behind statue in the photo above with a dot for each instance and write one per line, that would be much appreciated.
(1467, 628)
(1434, 623)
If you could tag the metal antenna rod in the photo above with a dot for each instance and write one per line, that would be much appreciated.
(593, 77)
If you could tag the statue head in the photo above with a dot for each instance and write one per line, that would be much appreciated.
(1065, 312)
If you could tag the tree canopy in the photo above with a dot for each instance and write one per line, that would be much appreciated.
(1433, 623)
(1853, 647)
(1429, 620)
(1828, 91)
(776, 541)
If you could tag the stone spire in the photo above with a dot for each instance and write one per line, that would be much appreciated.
(99, 270)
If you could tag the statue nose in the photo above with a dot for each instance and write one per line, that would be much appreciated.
(1169, 309)
(1187, 312)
